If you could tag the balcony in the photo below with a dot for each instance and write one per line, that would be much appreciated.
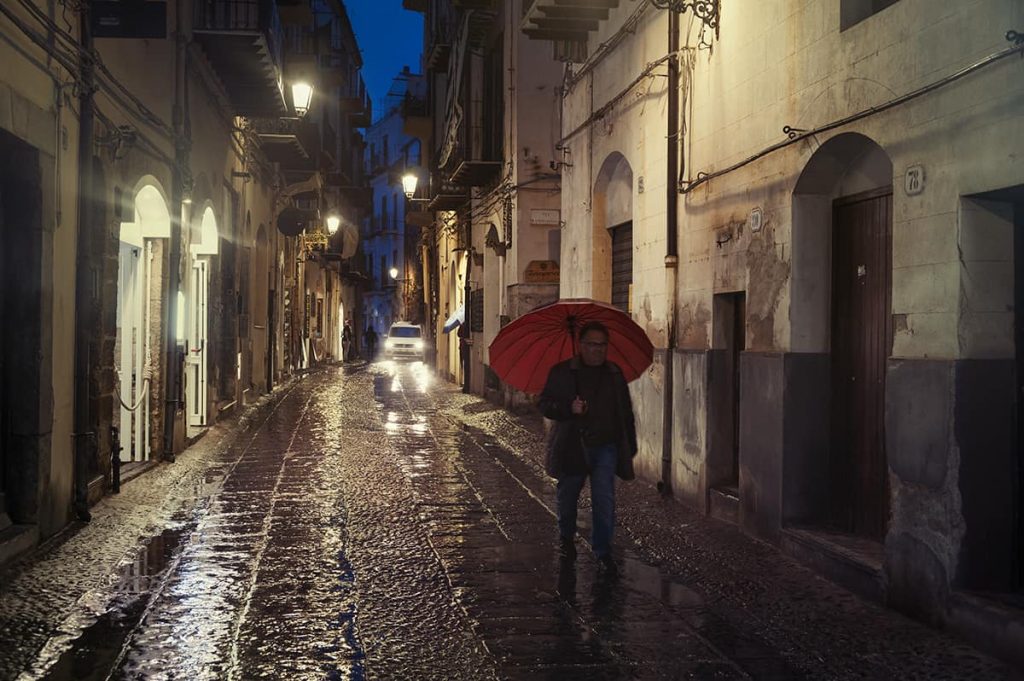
(441, 35)
(437, 55)
(328, 144)
(333, 69)
(359, 197)
(446, 194)
(242, 39)
(355, 101)
(564, 20)
(290, 142)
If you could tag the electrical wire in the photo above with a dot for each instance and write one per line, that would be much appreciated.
(146, 114)
(703, 178)
(607, 106)
(605, 48)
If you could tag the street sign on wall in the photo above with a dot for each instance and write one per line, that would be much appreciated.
(129, 19)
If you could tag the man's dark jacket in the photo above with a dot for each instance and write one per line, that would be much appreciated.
(565, 446)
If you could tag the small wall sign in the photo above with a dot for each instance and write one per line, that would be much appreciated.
(756, 219)
(541, 272)
(913, 180)
(544, 216)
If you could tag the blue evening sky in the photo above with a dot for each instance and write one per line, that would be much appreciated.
(389, 37)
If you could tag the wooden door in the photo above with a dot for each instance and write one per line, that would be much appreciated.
(737, 344)
(861, 343)
(1018, 306)
(5, 289)
(622, 265)
(196, 359)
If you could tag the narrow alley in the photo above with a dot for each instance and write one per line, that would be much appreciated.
(369, 522)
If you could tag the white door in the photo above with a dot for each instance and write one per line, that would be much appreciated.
(132, 331)
(195, 360)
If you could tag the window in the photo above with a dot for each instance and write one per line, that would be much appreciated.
(384, 149)
(622, 266)
(383, 272)
(394, 212)
(855, 11)
(404, 332)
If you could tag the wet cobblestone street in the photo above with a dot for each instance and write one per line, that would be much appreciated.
(370, 522)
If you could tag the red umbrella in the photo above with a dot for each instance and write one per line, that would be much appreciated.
(524, 351)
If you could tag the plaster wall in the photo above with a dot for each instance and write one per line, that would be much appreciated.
(29, 111)
(635, 127)
(747, 88)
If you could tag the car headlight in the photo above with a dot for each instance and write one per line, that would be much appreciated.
(417, 344)
(389, 343)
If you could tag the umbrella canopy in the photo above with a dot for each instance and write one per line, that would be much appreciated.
(524, 351)
(458, 317)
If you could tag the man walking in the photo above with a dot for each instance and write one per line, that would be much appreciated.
(594, 435)
(370, 339)
(346, 341)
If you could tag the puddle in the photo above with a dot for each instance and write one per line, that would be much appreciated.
(92, 654)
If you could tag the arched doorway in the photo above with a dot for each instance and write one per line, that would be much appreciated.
(613, 233)
(197, 351)
(136, 349)
(842, 305)
(23, 358)
(262, 299)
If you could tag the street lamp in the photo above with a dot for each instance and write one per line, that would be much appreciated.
(333, 222)
(409, 182)
(405, 290)
(302, 95)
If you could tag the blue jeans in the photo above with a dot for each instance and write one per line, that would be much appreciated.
(601, 460)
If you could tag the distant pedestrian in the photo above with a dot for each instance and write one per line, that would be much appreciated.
(370, 338)
(594, 436)
(346, 341)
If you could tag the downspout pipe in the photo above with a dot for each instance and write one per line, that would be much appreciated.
(172, 355)
(467, 360)
(85, 435)
(671, 250)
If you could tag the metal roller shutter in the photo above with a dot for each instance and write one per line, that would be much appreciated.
(622, 265)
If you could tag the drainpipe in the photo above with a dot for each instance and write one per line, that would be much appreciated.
(85, 436)
(172, 359)
(467, 361)
(672, 249)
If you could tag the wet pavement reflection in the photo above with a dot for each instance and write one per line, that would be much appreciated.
(363, 530)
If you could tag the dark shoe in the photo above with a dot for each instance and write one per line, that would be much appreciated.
(567, 547)
(606, 566)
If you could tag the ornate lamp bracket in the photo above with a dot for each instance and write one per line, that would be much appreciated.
(705, 10)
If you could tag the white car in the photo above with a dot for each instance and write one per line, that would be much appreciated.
(404, 341)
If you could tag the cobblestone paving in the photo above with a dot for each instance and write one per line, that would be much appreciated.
(370, 523)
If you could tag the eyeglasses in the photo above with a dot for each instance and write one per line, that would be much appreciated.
(593, 344)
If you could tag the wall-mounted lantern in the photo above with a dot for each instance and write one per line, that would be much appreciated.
(409, 182)
(333, 223)
(302, 95)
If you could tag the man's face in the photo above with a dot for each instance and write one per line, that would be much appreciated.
(594, 348)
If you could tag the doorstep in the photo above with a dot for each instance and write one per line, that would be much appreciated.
(992, 622)
(724, 504)
(16, 540)
(851, 562)
(130, 471)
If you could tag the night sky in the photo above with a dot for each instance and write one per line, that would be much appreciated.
(390, 38)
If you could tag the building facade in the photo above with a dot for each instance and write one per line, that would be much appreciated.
(166, 251)
(494, 186)
(390, 246)
(814, 209)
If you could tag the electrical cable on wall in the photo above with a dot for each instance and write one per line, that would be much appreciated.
(703, 177)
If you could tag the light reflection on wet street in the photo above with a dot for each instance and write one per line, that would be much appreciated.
(361, 529)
